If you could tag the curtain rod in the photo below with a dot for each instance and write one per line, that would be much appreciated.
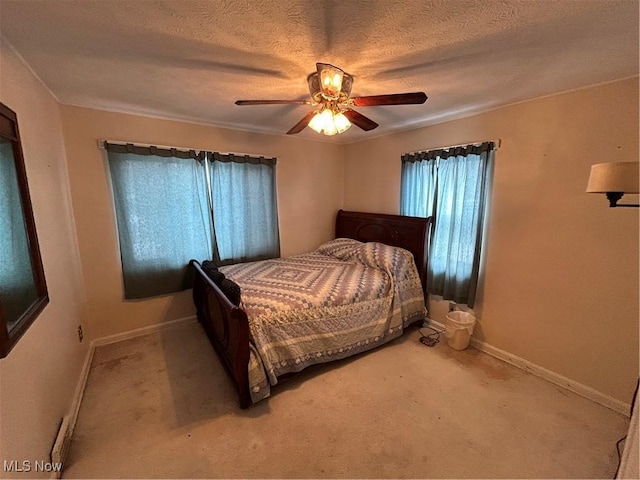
(182, 149)
(497, 143)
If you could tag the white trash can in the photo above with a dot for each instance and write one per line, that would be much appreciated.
(458, 329)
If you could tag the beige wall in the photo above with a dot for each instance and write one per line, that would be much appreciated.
(39, 376)
(560, 280)
(310, 191)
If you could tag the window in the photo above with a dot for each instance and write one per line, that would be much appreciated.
(451, 185)
(172, 206)
(23, 290)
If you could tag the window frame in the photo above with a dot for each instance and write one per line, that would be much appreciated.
(9, 337)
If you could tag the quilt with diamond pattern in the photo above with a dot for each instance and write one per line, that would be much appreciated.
(342, 299)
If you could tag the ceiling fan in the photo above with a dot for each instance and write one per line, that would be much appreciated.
(330, 88)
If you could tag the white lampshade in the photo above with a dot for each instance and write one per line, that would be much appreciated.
(341, 122)
(316, 123)
(614, 177)
(322, 122)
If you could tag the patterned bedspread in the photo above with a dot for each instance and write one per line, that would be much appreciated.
(344, 298)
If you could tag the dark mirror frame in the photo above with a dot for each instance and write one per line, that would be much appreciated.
(9, 338)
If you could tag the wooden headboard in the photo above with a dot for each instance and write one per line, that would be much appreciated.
(410, 233)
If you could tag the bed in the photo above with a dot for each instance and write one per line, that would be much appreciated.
(269, 319)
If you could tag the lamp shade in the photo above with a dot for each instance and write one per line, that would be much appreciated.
(341, 122)
(614, 177)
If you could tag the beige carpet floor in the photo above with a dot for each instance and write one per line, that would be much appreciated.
(161, 406)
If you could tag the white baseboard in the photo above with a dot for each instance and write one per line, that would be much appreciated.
(77, 397)
(553, 377)
(140, 332)
(79, 393)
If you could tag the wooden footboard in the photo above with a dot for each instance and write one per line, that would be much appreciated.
(228, 329)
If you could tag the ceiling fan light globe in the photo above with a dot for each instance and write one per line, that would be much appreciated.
(331, 87)
(330, 130)
(316, 123)
(330, 80)
(319, 94)
(341, 122)
(326, 119)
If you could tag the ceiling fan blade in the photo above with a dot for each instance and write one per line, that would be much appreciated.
(393, 99)
(298, 127)
(360, 120)
(272, 102)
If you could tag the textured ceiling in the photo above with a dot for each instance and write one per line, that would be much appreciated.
(190, 60)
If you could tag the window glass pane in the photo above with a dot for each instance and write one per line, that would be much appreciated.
(17, 282)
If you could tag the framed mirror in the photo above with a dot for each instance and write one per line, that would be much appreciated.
(23, 290)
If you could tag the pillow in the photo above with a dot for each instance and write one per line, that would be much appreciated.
(231, 290)
(383, 257)
(212, 272)
(340, 248)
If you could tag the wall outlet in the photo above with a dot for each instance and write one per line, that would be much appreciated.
(80, 335)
